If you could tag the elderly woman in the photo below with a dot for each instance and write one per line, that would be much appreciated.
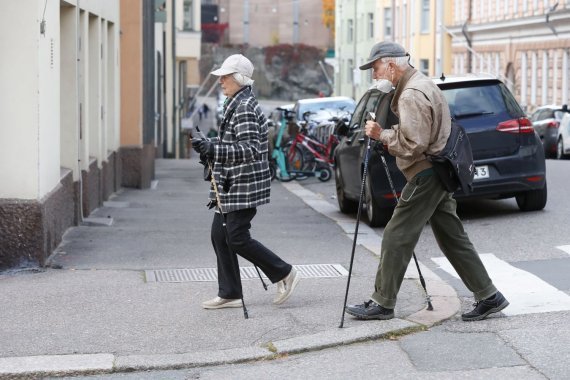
(240, 167)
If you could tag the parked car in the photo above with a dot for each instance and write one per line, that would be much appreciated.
(316, 106)
(563, 141)
(546, 121)
(507, 152)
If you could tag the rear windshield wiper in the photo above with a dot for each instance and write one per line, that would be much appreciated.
(471, 114)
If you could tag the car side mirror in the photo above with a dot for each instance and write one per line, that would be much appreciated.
(341, 128)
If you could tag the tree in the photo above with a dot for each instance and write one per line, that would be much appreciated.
(328, 14)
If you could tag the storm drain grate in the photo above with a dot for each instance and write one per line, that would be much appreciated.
(247, 273)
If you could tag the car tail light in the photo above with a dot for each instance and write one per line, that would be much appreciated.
(537, 178)
(391, 195)
(521, 125)
(553, 124)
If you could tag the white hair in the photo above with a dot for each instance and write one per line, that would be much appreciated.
(242, 80)
(401, 62)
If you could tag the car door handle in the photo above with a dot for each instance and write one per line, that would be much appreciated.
(361, 140)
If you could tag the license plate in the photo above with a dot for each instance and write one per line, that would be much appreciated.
(481, 172)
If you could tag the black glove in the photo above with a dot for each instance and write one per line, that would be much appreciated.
(196, 144)
(204, 147)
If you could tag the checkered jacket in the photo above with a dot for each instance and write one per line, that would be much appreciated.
(241, 166)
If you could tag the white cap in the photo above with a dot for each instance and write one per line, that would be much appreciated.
(236, 63)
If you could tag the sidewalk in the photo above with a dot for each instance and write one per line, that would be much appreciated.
(97, 310)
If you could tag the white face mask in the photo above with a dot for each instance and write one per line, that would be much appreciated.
(383, 85)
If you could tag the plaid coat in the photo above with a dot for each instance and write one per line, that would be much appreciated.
(241, 166)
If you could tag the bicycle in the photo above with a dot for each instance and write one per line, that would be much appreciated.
(308, 156)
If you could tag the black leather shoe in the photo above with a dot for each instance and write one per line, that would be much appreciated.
(484, 308)
(369, 310)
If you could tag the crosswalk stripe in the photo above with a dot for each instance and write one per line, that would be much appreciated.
(526, 292)
(565, 248)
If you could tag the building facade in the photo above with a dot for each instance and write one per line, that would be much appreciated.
(412, 23)
(88, 92)
(524, 42)
(262, 23)
(177, 57)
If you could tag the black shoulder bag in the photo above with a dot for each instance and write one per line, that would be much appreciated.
(454, 164)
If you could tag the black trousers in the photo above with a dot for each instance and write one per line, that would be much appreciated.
(236, 231)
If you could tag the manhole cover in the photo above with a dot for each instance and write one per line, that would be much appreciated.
(247, 273)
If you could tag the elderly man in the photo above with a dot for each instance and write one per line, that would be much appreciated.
(424, 127)
(241, 170)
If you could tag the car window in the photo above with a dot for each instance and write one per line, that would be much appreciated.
(358, 112)
(546, 114)
(344, 105)
(513, 107)
(359, 116)
(484, 99)
(534, 116)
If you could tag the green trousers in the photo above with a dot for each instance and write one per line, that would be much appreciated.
(424, 199)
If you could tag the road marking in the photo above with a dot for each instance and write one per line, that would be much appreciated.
(565, 248)
(526, 292)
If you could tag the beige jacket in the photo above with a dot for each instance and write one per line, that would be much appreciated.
(425, 123)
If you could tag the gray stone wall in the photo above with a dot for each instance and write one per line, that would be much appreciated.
(137, 166)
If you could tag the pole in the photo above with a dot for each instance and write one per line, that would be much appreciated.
(175, 131)
(360, 200)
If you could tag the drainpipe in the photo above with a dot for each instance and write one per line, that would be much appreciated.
(174, 128)
(469, 44)
(354, 36)
(79, 109)
(164, 102)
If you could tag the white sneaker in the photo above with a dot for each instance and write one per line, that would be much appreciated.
(220, 303)
(286, 287)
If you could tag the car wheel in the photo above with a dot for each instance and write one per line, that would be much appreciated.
(324, 174)
(560, 150)
(377, 216)
(272, 170)
(346, 206)
(533, 200)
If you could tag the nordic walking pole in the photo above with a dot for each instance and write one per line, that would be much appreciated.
(422, 281)
(219, 206)
(217, 195)
(359, 212)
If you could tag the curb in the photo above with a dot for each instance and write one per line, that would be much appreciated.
(90, 364)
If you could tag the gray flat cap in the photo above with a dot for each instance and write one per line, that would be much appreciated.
(384, 49)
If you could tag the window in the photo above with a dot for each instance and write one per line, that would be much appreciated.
(350, 31)
(349, 73)
(424, 23)
(387, 23)
(188, 15)
(424, 66)
(370, 25)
